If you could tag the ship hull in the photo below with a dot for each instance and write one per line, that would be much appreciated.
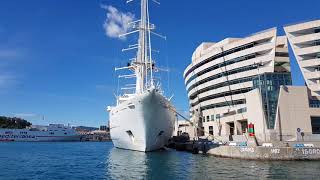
(53, 132)
(35, 137)
(142, 123)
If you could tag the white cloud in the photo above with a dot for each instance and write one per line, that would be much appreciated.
(117, 22)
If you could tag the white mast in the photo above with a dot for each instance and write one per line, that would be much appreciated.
(143, 63)
(141, 55)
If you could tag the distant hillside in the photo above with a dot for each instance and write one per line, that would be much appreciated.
(13, 123)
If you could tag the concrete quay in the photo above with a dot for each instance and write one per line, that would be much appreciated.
(266, 153)
(252, 151)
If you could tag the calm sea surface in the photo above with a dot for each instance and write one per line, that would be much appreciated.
(87, 160)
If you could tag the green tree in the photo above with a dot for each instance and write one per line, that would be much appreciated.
(13, 123)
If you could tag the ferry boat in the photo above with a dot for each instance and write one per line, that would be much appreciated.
(142, 120)
(53, 132)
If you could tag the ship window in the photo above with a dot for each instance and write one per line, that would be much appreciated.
(51, 133)
(65, 133)
(160, 133)
(131, 106)
(130, 135)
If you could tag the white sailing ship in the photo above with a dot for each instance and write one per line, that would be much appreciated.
(144, 119)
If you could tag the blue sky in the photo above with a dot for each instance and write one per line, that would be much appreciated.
(56, 60)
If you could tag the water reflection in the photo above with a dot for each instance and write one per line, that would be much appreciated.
(68, 161)
(124, 164)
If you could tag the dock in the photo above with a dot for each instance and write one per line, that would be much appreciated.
(297, 151)
(266, 153)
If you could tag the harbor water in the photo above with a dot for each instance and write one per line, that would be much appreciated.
(89, 160)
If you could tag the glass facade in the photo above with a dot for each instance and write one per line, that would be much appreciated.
(314, 103)
(270, 83)
(315, 124)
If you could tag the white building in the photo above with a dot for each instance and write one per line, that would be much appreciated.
(304, 39)
(237, 81)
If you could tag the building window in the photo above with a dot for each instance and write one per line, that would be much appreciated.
(317, 68)
(208, 118)
(230, 113)
(242, 110)
(201, 133)
(229, 72)
(222, 84)
(315, 124)
(218, 116)
(282, 54)
(211, 130)
(314, 103)
(212, 117)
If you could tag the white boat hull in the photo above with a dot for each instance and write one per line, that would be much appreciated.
(25, 135)
(142, 123)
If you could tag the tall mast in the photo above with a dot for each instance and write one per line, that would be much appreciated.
(143, 63)
(141, 70)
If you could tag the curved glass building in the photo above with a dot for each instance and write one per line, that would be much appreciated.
(222, 76)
